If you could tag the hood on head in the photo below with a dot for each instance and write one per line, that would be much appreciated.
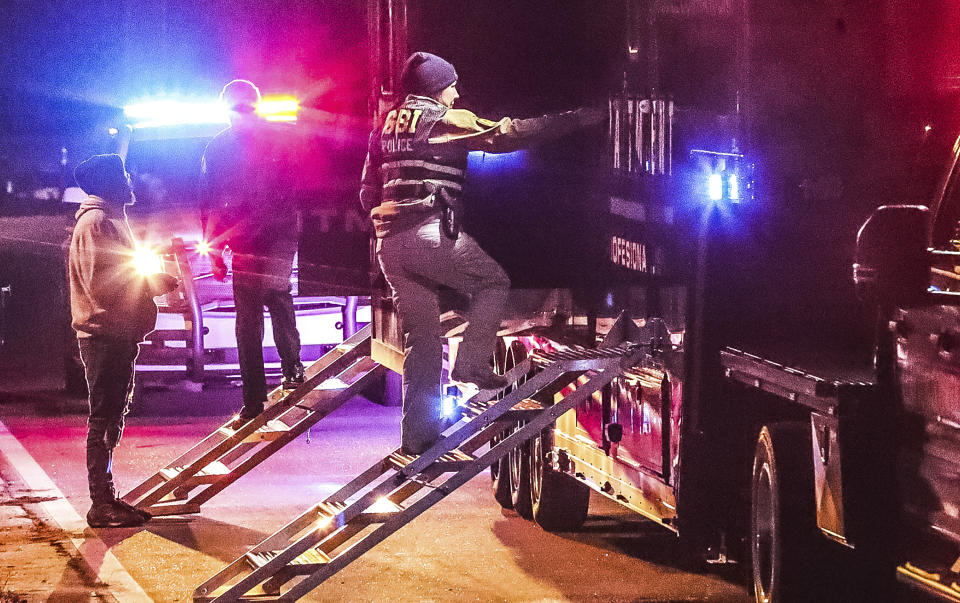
(103, 176)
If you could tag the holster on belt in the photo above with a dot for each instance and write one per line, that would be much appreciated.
(449, 218)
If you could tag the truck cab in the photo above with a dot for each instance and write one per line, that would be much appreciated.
(917, 359)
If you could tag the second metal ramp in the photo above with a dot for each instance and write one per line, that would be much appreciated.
(342, 527)
(221, 458)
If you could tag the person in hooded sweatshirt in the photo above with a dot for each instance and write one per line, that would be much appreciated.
(112, 310)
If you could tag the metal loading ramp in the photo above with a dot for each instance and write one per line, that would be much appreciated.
(221, 458)
(390, 494)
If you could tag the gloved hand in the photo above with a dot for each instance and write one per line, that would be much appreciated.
(218, 267)
(162, 283)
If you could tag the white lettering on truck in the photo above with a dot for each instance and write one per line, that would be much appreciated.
(629, 254)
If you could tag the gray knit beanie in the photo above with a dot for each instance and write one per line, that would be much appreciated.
(426, 74)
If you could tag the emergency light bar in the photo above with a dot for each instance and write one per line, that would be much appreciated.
(168, 112)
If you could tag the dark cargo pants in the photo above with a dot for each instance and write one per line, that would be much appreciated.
(259, 284)
(416, 262)
(109, 368)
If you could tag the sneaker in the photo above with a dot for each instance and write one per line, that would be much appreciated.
(484, 379)
(110, 515)
(125, 505)
(292, 379)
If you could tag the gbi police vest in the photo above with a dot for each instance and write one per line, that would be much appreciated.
(415, 173)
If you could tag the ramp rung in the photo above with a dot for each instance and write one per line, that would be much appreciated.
(450, 461)
(332, 383)
(255, 594)
(526, 405)
(174, 507)
(330, 509)
(308, 558)
(207, 475)
(574, 353)
(380, 511)
(269, 432)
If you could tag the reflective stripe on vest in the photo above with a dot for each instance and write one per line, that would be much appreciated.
(419, 163)
(409, 160)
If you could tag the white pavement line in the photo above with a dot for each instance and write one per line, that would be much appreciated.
(96, 555)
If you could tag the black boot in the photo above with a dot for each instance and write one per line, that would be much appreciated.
(293, 377)
(110, 515)
(145, 515)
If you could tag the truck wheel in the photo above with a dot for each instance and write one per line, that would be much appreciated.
(500, 470)
(500, 476)
(519, 461)
(784, 538)
(558, 502)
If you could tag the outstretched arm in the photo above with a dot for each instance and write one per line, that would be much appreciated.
(477, 134)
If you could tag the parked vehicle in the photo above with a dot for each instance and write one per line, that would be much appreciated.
(776, 420)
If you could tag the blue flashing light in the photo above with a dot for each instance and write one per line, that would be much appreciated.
(728, 176)
(493, 163)
(715, 187)
(451, 400)
(448, 405)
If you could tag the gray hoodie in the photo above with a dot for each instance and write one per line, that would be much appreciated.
(107, 296)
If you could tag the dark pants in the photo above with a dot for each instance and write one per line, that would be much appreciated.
(416, 262)
(251, 293)
(109, 368)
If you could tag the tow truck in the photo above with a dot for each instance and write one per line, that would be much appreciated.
(684, 335)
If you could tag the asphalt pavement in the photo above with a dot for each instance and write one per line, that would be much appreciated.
(463, 549)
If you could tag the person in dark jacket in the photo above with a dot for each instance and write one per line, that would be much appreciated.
(411, 186)
(112, 310)
(248, 171)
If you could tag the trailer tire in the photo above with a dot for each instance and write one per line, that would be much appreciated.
(500, 469)
(500, 477)
(558, 502)
(786, 549)
(518, 460)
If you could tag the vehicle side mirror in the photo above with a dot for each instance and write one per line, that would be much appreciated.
(892, 265)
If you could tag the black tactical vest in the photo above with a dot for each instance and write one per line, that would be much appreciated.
(411, 168)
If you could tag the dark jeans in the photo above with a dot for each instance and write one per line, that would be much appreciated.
(109, 368)
(250, 294)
